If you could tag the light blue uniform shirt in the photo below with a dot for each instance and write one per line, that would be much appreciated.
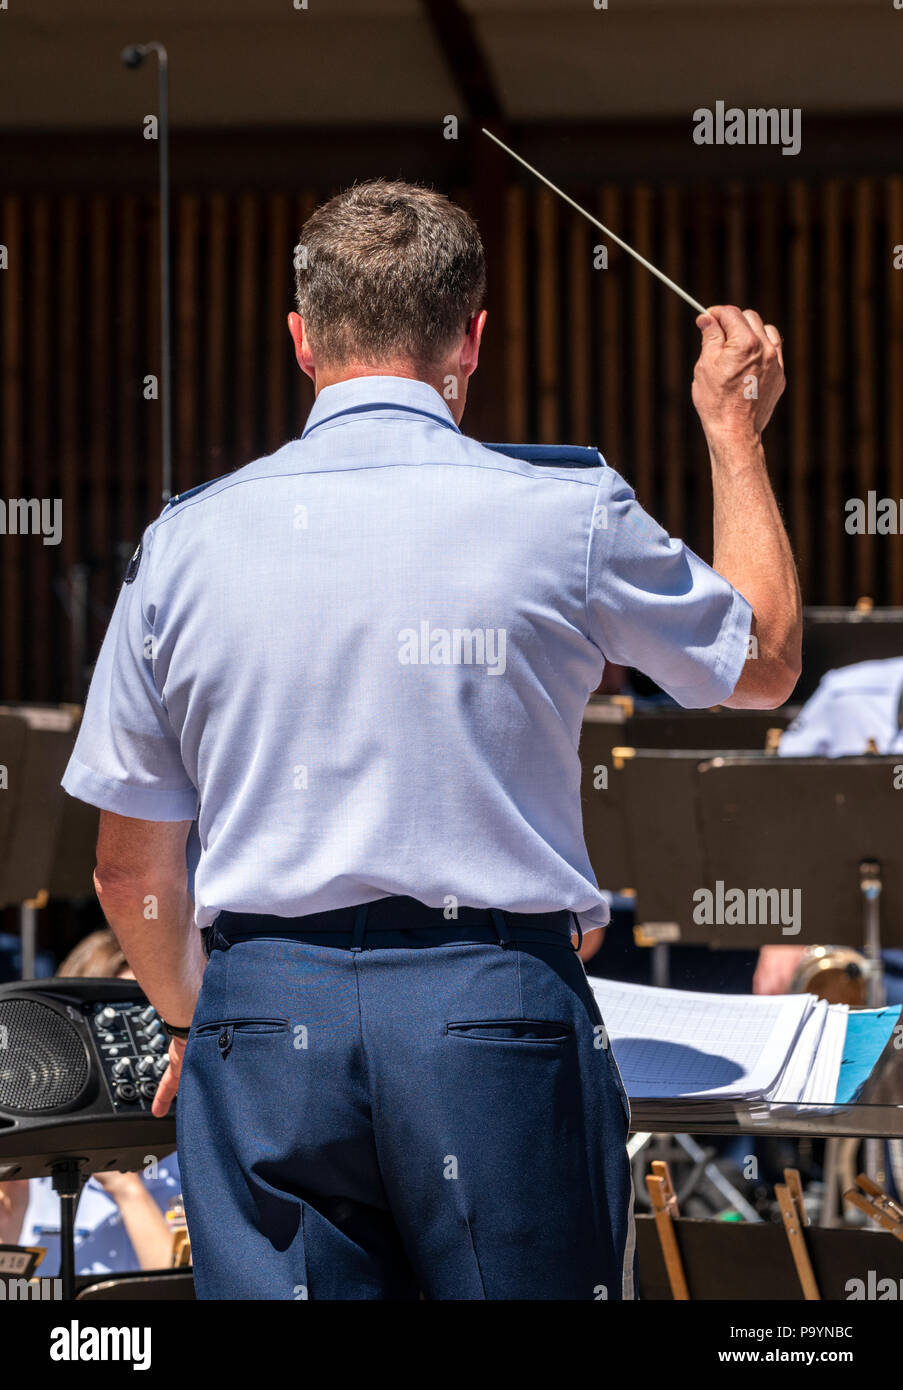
(363, 661)
(850, 706)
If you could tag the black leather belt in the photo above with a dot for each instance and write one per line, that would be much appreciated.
(393, 914)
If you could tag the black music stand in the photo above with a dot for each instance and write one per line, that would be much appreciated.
(749, 1261)
(45, 835)
(68, 1181)
(655, 793)
(758, 821)
(141, 1285)
(604, 824)
(834, 637)
(665, 726)
(826, 826)
(829, 826)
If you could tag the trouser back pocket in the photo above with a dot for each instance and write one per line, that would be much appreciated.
(512, 1030)
(227, 1029)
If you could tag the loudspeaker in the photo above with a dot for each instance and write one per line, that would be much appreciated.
(80, 1061)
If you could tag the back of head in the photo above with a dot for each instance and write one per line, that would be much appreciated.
(388, 272)
(98, 955)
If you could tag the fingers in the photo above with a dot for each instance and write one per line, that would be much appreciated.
(733, 328)
(741, 328)
(166, 1092)
(731, 320)
(755, 322)
(766, 332)
(775, 338)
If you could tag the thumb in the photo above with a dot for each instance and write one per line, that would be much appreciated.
(709, 326)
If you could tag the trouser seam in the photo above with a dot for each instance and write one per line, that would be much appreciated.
(476, 1258)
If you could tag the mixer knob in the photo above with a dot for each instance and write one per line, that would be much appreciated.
(146, 1064)
(153, 1028)
(122, 1067)
(107, 1014)
(157, 1042)
(161, 1063)
(147, 1014)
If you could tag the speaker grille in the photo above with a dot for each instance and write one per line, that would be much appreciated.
(43, 1063)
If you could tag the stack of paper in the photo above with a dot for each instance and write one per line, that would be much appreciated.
(709, 1052)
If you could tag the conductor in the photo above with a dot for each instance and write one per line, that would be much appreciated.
(361, 664)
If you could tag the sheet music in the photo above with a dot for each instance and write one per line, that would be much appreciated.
(800, 1071)
(678, 1043)
(822, 1086)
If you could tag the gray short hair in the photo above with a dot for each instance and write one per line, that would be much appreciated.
(388, 271)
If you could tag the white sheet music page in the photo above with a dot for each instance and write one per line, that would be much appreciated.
(671, 1043)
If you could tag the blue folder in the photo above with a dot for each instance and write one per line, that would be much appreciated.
(867, 1033)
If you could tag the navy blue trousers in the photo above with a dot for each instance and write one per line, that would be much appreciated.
(429, 1111)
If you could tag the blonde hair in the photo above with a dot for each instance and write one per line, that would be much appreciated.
(99, 954)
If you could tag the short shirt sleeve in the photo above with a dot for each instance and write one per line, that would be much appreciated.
(126, 757)
(654, 605)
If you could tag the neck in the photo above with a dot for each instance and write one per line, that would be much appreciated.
(331, 376)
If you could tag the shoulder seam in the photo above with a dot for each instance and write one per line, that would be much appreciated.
(566, 476)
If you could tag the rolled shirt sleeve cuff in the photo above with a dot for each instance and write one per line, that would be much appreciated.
(139, 803)
(733, 647)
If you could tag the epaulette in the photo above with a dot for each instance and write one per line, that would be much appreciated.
(550, 455)
(131, 572)
(192, 491)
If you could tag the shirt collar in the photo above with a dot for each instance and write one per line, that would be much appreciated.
(362, 394)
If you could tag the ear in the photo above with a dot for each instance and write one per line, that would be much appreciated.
(303, 355)
(470, 353)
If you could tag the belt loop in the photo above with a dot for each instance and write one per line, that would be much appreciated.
(579, 931)
(360, 925)
(213, 939)
(501, 926)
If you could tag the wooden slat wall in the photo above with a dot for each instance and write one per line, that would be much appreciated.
(602, 356)
(609, 366)
(864, 312)
(11, 437)
(893, 369)
(828, 428)
(675, 374)
(516, 328)
(41, 371)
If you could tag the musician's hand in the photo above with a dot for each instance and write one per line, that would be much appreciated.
(169, 1081)
(739, 377)
(13, 1202)
(776, 968)
(118, 1185)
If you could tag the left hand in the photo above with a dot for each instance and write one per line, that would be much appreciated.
(117, 1185)
(169, 1081)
